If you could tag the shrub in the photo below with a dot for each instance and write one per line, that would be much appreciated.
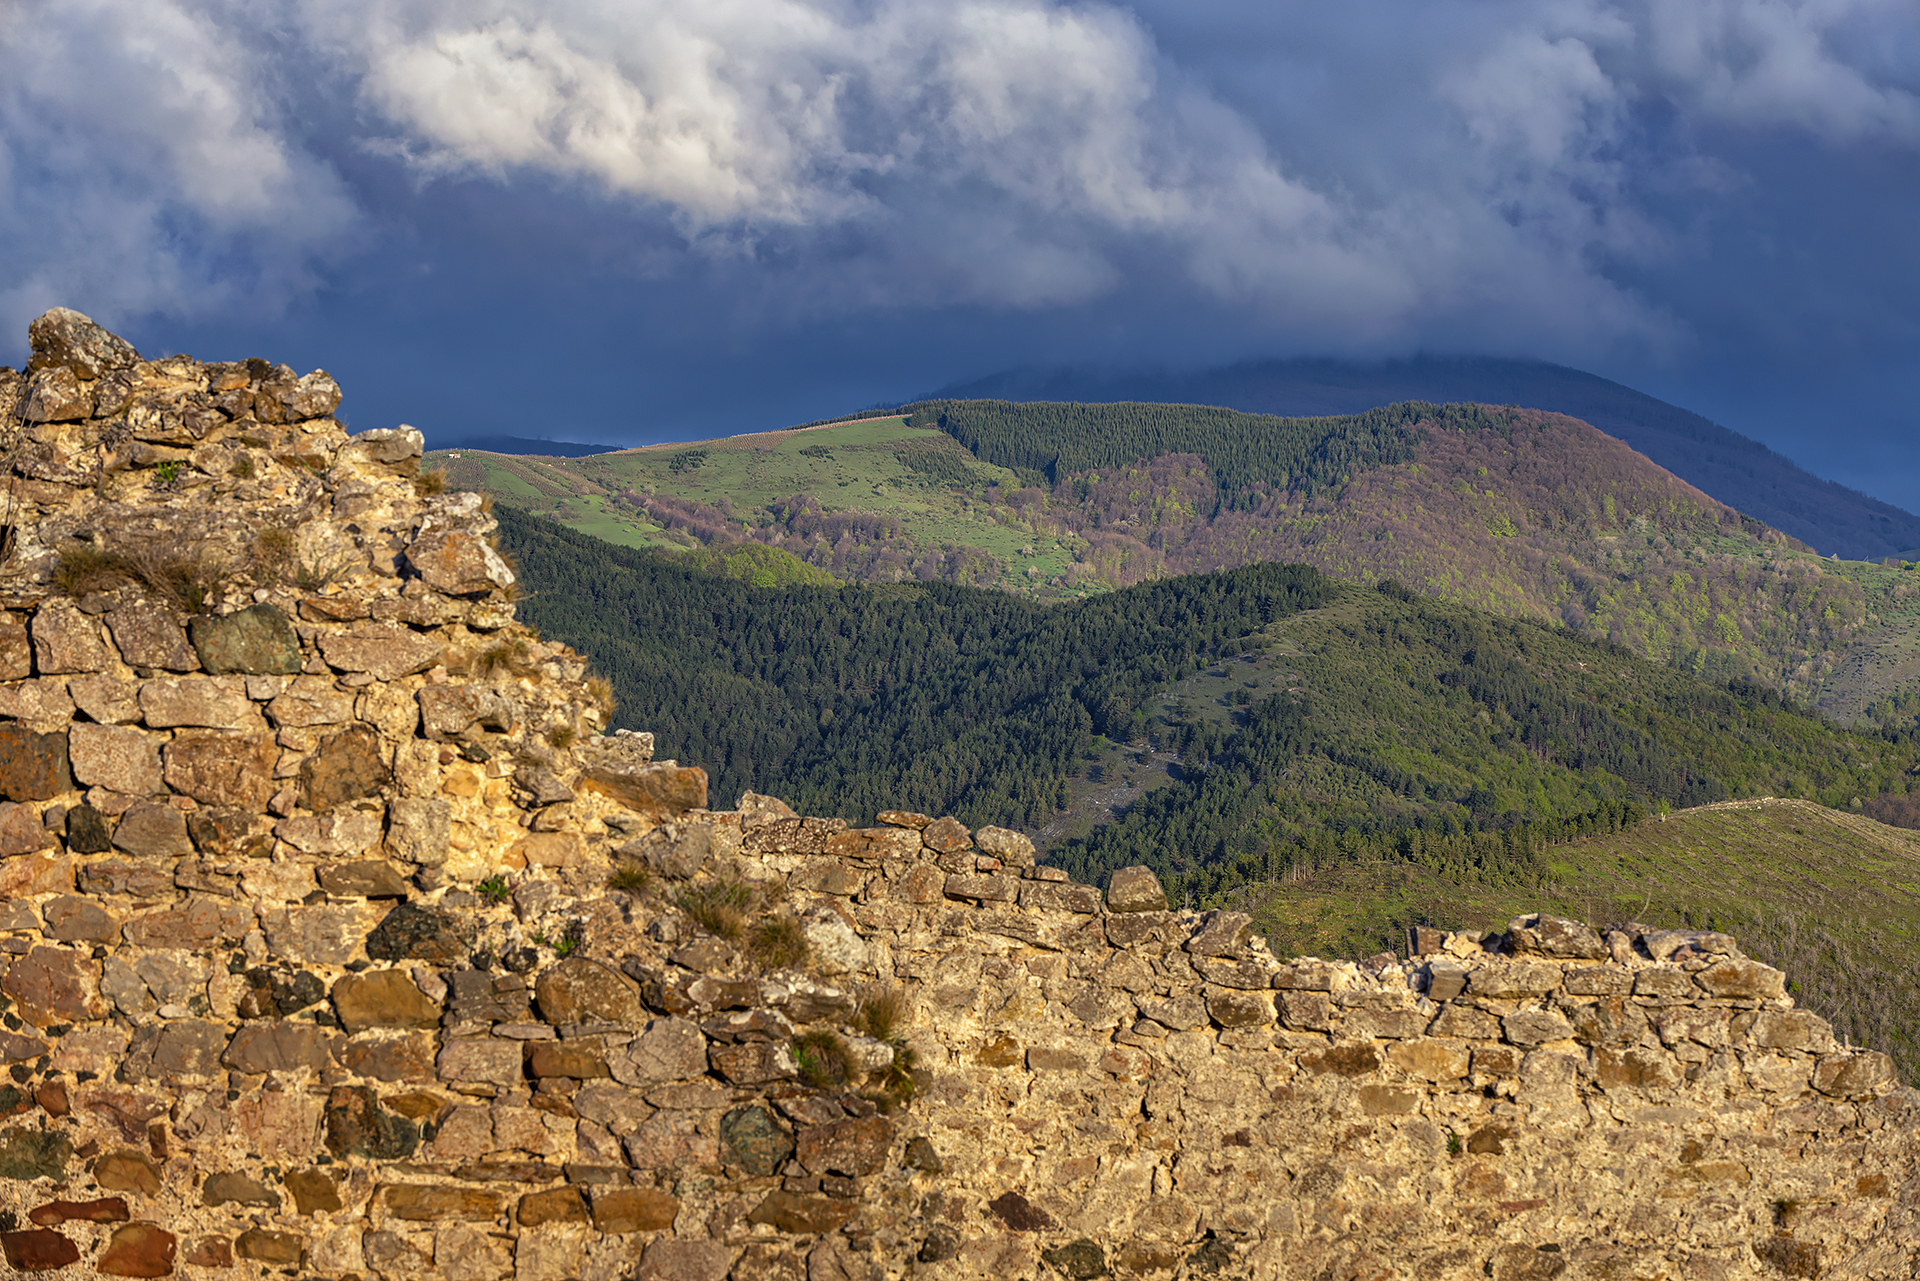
(778, 943)
(242, 468)
(718, 907)
(494, 889)
(883, 1014)
(561, 736)
(430, 482)
(823, 1059)
(631, 877)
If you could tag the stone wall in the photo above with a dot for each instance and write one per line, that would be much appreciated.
(339, 943)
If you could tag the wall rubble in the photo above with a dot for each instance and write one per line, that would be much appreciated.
(315, 964)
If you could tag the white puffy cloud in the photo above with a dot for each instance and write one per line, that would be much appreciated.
(143, 165)
(1011, 153)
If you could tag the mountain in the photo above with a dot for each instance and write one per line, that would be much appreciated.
(1739, 471)
(1341, 761)
(523, 445)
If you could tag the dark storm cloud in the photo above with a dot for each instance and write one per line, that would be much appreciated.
(650, 198)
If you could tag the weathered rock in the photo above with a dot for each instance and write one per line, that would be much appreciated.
(55, 985)
(581, 991)
(21, 832)
(124, 1172)
(33, 767)
(149, 635)
(750, 1139)
(383, 998)
(346, 767)
(256, 641)
(1221, 934)
(663, 790)
(38, 1250)
(1554, 936)
(320, 935)
(116, 757)
(799, 1213)
(1857, 1075)
(386, 650)
(411, 932)
(62, 338)
(233, 770)
(314, 1192)
(341, 832)
(853, 1147)
(458, 564)
(276, 1047)
(196, 924)
(1740, 978)
(1010, 847)
(432, 1203)
(217, 702)
(481, 1059)
(267, 1246)
(558, 1205)
(358, 1126)
(138, 1250)
(1135, 889)
(66, 641)
(234, 1188)
(26, 1155)
(668, 1050)
(153, 829)
(630, 1209)
(110, 1209)
(364, 878)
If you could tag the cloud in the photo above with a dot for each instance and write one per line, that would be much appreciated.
(1498, 184)
(144, 166)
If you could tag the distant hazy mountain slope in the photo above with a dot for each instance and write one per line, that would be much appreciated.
(1738, 471)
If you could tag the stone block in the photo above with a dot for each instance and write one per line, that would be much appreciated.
(481, 1059)
(1010, 847)
(197, 924)
(1136, 889)
(257, 641)
(411, 932)
(21, 831)
(799, 1213)
(310, 701)
(1860, 1074)
(1512, 980)
(458, 564)
(556, 1205)
(1236, 1007)
(661, 790)
(434, 1203)
(271, 1247)
(38, 1250)
(138, 1250)
(65, 641)
(946, 836)
(148, 634)
(277, 1047)
(116, 757)
(55, 985)
(1738, 978)
(1056, 897)
(386, 650)
(204, 702)
(345, 767)
(33, 767)
(383, 998)
(342, 832)
(578, 990)
(1555, 936)
(1535, 1027)
(234, 770)
(16, 653)
(621, 1210)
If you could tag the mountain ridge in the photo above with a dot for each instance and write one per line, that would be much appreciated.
(1739, 471)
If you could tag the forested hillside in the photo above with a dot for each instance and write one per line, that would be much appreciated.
(1366, 723)
(1738, 471)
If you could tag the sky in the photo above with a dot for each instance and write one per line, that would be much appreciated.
(637, 220)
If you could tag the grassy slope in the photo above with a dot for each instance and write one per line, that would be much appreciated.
(1546, 519)
(1832, 898)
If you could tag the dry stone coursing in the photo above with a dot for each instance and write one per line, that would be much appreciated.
(309, 963)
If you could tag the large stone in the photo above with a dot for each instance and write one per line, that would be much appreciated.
(578, 990)
(418, 829)
(206, 702)
(345, 767)
(55, 985)
(341, 832)
(387, 650)
(662, 790)
(66, 339)
(116, 757)
(33, 767)
(73, 919)
(433, 1203)
(328, 934)
(196, 924)
(178, 1048)
(669, 1050)
(458, 564)
(65, 641)
(153, 829)
(314, 1191)
(87, 831)
(42, 705)
(1220, 934)
(411, 932)
(383, 998)
(390, 444)
(364, 878)
(258, 641)
(482, 1059)
(277, 1047)
(1557, 936)
(57, 396)
(556, 1205)
(634, 1210)
(1737, 977)
(854, 1147)
(38, 1250)
(138, 1250)
(16, 653)
(231, 1187)
(26, 1155)
(270, 1247)
(125, 1172)
(448, 711)
(21, 832)
(475, 996)
(1237, 1007)
(673, 1260)
(148, 635)
(387, 1057)
(107, 699)
(750, 1139)
(358, 1126)
(1136, 889)
(1860, 1074)
(799, 1213)
(309, 701)
(234, 770)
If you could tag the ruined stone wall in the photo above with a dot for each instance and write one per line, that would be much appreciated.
(338, 942)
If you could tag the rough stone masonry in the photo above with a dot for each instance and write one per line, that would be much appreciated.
(315, 964)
